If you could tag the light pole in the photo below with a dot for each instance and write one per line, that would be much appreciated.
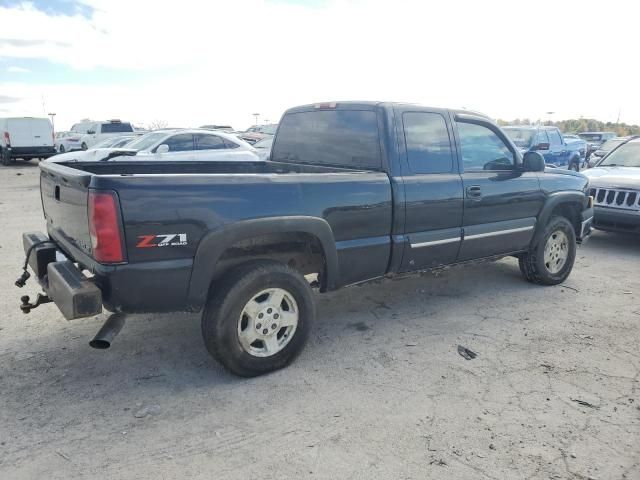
(256, 115)
(53, 123)
(550, 113)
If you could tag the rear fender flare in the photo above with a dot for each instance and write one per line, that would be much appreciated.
(214, 244)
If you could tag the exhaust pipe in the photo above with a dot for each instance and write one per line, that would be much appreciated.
(108, 332)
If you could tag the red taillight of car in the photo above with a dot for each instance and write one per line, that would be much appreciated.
(104, 227)
(7, 138)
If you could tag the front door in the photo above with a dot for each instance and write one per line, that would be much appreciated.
(433, 189)
(501, 200)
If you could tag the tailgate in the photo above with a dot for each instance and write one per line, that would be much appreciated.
(64, 192)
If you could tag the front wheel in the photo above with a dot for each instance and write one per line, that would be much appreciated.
(550, 262)
(258, 318)
(83, 146)
(62, 150)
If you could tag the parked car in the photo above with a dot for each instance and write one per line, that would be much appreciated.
(549, 142)
(92, 132)
(224, 128)
(175, 144)
(258, 132)
(354, 191)
(605, 148)
(115, 142)
(25, 138)
(66, 142)
(595, 139)
(264, 147)
(615, 186)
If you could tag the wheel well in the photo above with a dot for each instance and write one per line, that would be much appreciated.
(571, 211)
(298, 250)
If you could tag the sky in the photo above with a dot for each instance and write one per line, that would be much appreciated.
(191, 62)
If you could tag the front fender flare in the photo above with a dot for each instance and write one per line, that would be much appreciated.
(213, 245)
(572, 197)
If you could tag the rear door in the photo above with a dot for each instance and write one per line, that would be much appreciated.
(501, 201)
(30, 132)
(433, 188)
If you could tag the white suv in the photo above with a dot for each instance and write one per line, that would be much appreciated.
(92, 132)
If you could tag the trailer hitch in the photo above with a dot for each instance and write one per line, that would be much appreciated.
(26, 307)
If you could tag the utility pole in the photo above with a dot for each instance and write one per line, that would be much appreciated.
(53, 123)
(256, 115)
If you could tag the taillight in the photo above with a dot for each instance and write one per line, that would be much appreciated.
(7, 138)
(104, 227)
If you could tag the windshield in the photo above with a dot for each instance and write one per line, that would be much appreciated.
(266, 143)
(112, 142)
(116, 127)
(627, 155)
(522, 137)
(270, 129)
(591, 137)
(145, 142)
(610, 145)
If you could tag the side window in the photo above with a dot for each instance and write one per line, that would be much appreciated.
(554, 137)
(482, 149)
(208, 142)
(427, 141)
(180, 143)
(230, 144)
(542, 136)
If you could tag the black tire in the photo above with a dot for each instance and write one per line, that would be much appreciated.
(574, 164)
(227, 299)
(532, 264)
(62, 149)
(83, 146)
(5, 156)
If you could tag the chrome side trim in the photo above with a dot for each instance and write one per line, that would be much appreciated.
(436, 242)
(498, 232)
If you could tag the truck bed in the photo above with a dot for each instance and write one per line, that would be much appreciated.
(202, 202)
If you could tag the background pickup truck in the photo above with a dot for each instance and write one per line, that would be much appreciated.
(352, 192)
(549, 142)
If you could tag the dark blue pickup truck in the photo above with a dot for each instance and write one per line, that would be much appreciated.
(351, 192)
(557, 150)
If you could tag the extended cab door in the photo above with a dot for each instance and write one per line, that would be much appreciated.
(558, 148)
(501, 201)
(433, 188)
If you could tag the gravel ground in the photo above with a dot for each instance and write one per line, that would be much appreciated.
(379, 392)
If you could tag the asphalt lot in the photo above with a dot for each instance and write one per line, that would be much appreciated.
(379, 392)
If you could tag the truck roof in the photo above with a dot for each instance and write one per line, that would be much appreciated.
(370, 105)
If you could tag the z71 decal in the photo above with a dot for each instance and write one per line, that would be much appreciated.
(166, 240)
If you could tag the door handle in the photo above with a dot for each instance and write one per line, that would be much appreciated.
(474, 192)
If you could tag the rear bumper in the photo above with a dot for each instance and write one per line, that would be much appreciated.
(32, 152)
(74, 294)
(616, 220)
(147, 287)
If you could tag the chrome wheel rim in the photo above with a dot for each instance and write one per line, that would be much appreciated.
(556, 251)
(268, 322)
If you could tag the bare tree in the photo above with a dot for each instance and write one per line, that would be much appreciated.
(157, 124)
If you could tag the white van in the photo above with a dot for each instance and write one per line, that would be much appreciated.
(92, 132)
(26, 138)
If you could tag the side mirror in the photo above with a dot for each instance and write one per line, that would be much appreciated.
(164, 148)
(90, 132)
(533, 162)
(541, 146)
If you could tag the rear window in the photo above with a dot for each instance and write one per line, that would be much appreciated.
(346, 138)
(116, 127)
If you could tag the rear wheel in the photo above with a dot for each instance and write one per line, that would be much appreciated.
(550, 262)
(258, 318)
(83, 146)
(5, 156)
